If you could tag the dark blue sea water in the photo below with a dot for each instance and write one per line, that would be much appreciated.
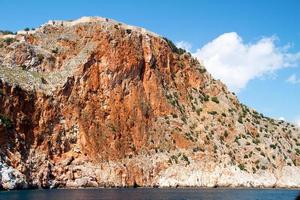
(151, 193)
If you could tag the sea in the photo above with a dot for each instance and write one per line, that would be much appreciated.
(152, 193)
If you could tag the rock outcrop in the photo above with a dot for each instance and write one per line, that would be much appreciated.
(97, 103)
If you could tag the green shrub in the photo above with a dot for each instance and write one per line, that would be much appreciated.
(225, 134)
(55, 51)
(8, 41)
(212, 112)
(196, 149)
(185, 158)
(242, 167)
(215, 99)
(23, 67)
(256, 141)
(40, 57)
(297, 152)
(173, 47)
(6, 121)
(198, 111)
(173, 157)
(6, 32)
(26, 29)
(206, 98)
(202, 70)
(183, 118)
(240, 119)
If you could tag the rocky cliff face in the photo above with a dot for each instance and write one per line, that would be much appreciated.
(94, 102)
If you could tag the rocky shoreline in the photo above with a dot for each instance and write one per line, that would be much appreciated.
(179, 175)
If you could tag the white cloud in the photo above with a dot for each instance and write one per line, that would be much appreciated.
(236, 63)
(281, 118)
(293, 79)
(184, 45)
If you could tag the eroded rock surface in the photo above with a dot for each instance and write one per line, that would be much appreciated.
(96, 103)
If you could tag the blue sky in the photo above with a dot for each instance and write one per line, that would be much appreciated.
(266, 32)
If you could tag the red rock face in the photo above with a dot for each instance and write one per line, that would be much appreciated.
(100, 92)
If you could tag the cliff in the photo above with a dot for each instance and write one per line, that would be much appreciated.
(94, 102)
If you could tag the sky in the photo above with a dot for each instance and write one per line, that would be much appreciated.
(253, 46)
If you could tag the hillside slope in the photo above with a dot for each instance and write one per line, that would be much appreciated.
(94, 102)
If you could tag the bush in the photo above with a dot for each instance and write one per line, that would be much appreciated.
(185, 158)
(8, 41)
(202, 70)
(215, 99)
(40, 57)
(198, 111)
(6, 32)
(55, 51)
(212, 112)
(183, 118)
(242, 167)
(263, 167)
(6, 121)
(226, 134)
(206, 98)
(27, 29)
(173, 47)
(23, 67)
(173, 157)
(240, 119)
(256, 141)
(196, 149)
(297, 152)
(174, 115)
